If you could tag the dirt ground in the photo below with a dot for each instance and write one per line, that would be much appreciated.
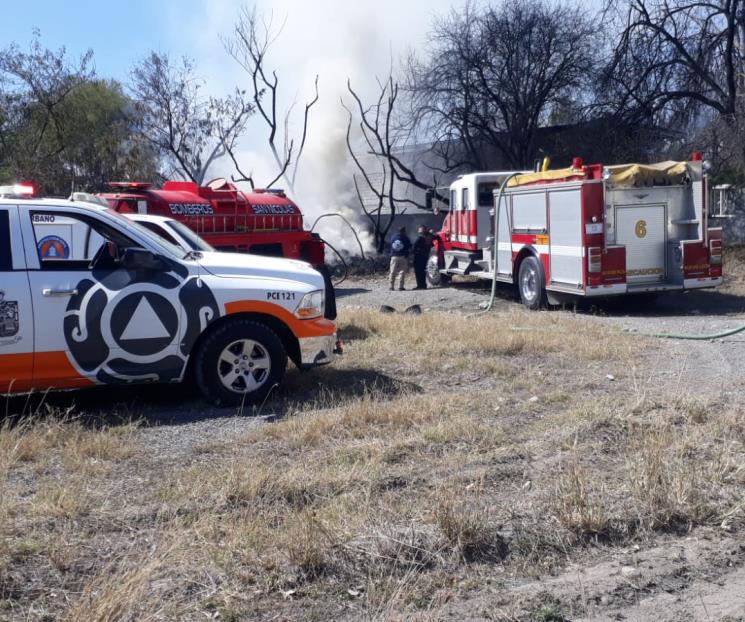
(558, 465)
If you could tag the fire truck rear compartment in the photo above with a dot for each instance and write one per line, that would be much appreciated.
(642, 230)
(660, 230)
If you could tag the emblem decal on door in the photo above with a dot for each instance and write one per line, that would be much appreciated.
(9, 319)
(53, 247)
(641, 228)
(123, 326)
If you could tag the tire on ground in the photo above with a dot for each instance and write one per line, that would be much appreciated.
(435, 278)
(531, 284)
(259, 364)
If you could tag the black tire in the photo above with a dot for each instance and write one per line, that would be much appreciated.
(235, 338)
(435, 278)
(531, 283)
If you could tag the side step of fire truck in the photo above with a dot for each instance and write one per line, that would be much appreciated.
(463, 263)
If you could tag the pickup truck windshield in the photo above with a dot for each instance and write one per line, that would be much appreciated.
(192, 239)
(166, 247)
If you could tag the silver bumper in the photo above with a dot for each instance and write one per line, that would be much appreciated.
(317, 350)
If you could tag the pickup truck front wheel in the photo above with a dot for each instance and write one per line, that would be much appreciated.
(240, 362)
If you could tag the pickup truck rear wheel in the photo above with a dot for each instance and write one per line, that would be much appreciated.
(240, 362)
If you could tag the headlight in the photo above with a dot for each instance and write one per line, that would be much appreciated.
(312, 305)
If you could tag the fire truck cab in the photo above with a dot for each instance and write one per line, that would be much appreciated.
(589, 231)
(88, 297)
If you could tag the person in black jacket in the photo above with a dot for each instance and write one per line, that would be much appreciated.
(422, 248)
(400, 247)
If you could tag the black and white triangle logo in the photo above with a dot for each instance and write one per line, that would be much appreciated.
(144, 324)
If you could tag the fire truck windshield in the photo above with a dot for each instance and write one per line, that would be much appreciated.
(486, 193)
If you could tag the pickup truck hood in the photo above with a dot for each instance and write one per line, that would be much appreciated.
(243, 265)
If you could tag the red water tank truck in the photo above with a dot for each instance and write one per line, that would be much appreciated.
(263, 222)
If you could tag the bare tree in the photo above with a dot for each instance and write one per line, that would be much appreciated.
(376, 184)
(191, 130)
(680, 65)
(252, 39)
(493, 76)
(489, 79)
(677, 57)
(382, 141)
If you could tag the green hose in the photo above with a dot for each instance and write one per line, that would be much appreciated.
(721, 335)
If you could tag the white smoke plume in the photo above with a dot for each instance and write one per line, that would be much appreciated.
(338, 41)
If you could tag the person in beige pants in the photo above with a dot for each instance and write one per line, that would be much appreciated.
(400, 247)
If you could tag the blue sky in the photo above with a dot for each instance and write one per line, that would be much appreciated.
(119, 33)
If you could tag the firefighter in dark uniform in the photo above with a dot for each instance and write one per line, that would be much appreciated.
(422, 248)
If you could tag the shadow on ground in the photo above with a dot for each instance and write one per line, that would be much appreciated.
(710, 302)
(153, 405)
(341, 292)
(690, 303)
(340, 385)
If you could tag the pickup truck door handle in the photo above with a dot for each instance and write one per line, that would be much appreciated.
(58, 292)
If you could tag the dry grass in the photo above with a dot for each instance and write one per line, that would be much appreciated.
(307, 544)
(734, 266)
(41, 437)
(664, 479)
(465, 524)
(578, 501)
(66, 499)
(123, 591)
(64, 457)
(380, 498)
(446, 341)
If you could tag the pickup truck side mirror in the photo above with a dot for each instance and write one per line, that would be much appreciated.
(141, 259)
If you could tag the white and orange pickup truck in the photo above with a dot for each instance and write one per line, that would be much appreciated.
(89, 297)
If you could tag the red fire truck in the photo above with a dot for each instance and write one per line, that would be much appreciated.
(262, 222)
(587, 230)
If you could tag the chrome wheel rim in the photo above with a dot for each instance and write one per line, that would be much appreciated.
(244, 366)
(528, 282)
(433, 271)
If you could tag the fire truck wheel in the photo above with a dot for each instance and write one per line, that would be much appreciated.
(434, 277)
(240, 362)
(531, 284)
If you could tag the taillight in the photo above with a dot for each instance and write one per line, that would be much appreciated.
(715, 252)
(594, 254)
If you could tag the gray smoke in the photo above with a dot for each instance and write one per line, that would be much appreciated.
(338, 41)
